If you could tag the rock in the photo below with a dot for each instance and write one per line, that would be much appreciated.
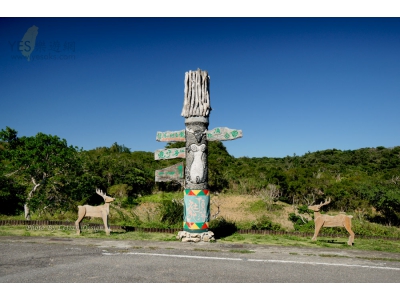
(195, 237)
(194, 240)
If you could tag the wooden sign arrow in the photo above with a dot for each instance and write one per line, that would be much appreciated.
(171, 136)
(170, 153)
(223, 134)
(172, 173)
(216, 134)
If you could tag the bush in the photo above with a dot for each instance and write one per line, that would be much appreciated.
(301, 224)
(371, 229)
(126, 202)
(264, 223)
(171, 212)
(303, 209)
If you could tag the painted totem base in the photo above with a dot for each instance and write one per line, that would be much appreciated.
(196, 210)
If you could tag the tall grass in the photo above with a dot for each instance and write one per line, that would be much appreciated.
(162, 196)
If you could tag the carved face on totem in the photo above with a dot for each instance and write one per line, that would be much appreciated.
(196, 147)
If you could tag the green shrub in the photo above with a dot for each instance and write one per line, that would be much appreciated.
(371, 229)
(128, 201)
(301, 224)
(171, 212)
(264, 223)
(303, 209)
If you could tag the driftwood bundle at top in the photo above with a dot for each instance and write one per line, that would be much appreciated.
(197, 94)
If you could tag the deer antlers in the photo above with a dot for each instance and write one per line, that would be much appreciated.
(105, 197)
(318, 207)
(100, 192)
(327, 201)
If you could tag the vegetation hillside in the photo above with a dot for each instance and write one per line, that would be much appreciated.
(47, 175)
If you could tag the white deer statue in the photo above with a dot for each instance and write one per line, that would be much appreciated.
(100, 211)
(331, 221)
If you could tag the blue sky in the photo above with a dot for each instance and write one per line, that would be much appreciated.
(292, 85)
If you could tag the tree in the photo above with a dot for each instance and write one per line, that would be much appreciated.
(44, 164)
(270, 195)
(386, 199)
(10, 191)
(119, 148)
(109, 167)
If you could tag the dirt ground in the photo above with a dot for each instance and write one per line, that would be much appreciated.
(237, 208)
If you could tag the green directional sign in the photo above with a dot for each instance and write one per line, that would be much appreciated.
(223, 134)
(172, 173)
(171, 136)
(170, 153)
(216, 134)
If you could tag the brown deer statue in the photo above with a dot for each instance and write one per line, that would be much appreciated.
(331, 221)
(100, 211)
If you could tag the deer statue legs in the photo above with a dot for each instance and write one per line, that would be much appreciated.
(318, 226)
(351, 237)
(100, 211)
(331, 221)
(81, 215)
(105, 221)
(316, 231)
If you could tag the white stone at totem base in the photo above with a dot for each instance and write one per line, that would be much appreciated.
(185, 236)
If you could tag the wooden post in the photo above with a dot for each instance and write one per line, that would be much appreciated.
(196, 110)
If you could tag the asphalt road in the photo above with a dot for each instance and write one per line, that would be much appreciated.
(62, 260)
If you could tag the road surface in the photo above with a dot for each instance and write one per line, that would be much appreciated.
(85, 260)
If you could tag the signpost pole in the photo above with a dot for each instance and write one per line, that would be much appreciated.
(196, 110)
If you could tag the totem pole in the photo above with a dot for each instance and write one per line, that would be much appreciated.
(196, 111)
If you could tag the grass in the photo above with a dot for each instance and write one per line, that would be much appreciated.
(331, 255)
(295, 241)
(256, 206)
(241, 251)
(159, 197)
(255, 239)
(240, 212)
(378, 258)
(53, 231)
(206, 250)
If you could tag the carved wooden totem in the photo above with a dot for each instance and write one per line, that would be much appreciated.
(196, 109)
